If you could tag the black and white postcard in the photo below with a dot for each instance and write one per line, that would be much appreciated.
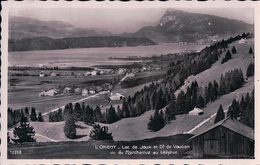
(112, 81)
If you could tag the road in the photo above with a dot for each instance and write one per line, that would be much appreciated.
(204, 121)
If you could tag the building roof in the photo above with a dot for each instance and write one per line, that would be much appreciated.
(233, 125)
(196, 111)
(116, 96)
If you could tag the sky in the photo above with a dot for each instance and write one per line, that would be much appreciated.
(121, 20)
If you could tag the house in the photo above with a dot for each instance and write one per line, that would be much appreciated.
(92, 91)
(108, 86)
(53, 74)
(242, 41)
(121, 71)
(228, 138)
(116, 96)
(77, 91)
(41, 74)
(84, 92)
(51, 92)
(99, 89)
(87, 73)
(67, 90)
(101, 72)
(94, 73)
(196, 111)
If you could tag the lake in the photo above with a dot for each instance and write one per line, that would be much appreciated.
(83, 57)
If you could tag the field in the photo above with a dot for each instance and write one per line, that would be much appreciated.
(27, 88)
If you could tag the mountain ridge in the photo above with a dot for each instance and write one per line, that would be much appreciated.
(25, 27)
(181, 26)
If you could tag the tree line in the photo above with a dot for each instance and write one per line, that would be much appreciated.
(158, 95)
(86, 113)
(242, 110)
(196, 97)
(14, 116)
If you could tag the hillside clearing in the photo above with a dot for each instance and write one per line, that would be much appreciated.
(240, 60)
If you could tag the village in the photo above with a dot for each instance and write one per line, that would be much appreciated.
(192, 90)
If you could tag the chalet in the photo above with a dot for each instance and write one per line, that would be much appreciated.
(94, 73)
(53, 74)
(99, 89)
(87, 73)
(107, 86)
(51, 92)
(242, 41)
(41, 74)
(84, 92)
(228, 138)
(67, 90)
(121, 71)
(196, 111)
(92, 91)
(77, 91)
(116, 96)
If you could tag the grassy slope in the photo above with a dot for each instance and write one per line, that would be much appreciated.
(239, 60)
(126, 129)
(54, 131)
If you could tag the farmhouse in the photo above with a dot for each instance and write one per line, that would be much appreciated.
(121, 71)
(84, 92)
(107, 86)
(41, 74)
(67, 90)
(92, 91)
(99, 89)
(94, 73)
(116, 96)
(242, 41)
(196, 111)
(77, 91)
(228, 138)
(51, 92)
(87, 73)
(53, 74)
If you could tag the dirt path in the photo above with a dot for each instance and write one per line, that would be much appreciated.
(45, 137)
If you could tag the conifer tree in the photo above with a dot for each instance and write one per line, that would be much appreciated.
(250, 70)
(24, 132)
(98, 114)
(220, 114)
(112, 115)
(70, 127)
(156, 121)
(26, 112)
(33, 114)
(40, 118)
(180, 103)
(100, 133)
(234, 51)
(250, 50)
(227, 57)
(200, 102)
(125, 109)
(234, 110)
